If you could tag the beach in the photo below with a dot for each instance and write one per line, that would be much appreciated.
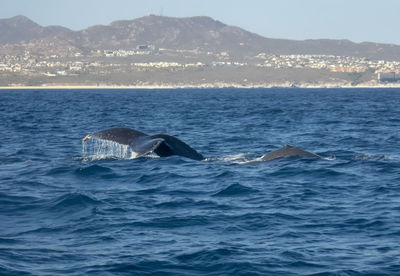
(200, 86)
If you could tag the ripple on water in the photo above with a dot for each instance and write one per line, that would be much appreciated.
(11, 204)
(190, 203)
(59, 171)
(179, 268)
(96, 171)
(73, 201)
(236, 190)
(172, 222)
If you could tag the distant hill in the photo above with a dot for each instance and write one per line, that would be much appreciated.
(20, 28)
(202, 33)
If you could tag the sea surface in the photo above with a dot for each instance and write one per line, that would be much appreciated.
(64, 211)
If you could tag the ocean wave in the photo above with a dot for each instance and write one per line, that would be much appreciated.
(179, 268)
(72, 202)
(174, 222)
(176, 204)
(236, 190)
(358, 224)
(69, 203)
(9, 241)
(96, 170)
(9, 160)
(11, 271)
(159, 177)
(43, 230)
(208, 255)
(150, 191)
(256, 221)
(306, 265)
(10, 203)
(290, 171)
(191, 203)
(59, 170)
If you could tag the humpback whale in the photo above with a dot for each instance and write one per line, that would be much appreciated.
(143, 144)
(288, 151)
(165, 145)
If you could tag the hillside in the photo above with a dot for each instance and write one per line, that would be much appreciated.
(201, 33)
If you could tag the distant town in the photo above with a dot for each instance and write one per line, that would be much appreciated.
(91, 69)
(187, 52)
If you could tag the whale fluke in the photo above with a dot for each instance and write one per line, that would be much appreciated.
(173, 146)
(143, 144)
(288, 151)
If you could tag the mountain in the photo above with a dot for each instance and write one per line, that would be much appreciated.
(20, 28)
(168, 32)
(202, 33)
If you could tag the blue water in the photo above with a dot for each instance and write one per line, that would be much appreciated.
(63, 213)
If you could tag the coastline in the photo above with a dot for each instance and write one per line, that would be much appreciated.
(201, 86)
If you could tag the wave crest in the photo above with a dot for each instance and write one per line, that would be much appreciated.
(236, 190)
(73, 200)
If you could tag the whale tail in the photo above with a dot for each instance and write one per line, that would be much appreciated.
(173, 146)
(143, 144)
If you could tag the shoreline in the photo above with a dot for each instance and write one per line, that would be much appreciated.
(203, 86)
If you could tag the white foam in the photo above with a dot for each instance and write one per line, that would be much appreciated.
(241, 158)
(366, 156)
(97, 149)
(331, 158)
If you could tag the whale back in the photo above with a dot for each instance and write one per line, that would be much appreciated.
(173, 146)
(288, 151)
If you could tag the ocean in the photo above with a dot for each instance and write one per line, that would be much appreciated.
(66, 212)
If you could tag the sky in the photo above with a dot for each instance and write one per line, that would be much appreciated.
(356, 20)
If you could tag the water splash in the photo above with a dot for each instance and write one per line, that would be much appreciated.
(248, 158)
(241, 158)
(96, 149)
(371, 157)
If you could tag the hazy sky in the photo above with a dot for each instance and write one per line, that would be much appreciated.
(357, 20)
